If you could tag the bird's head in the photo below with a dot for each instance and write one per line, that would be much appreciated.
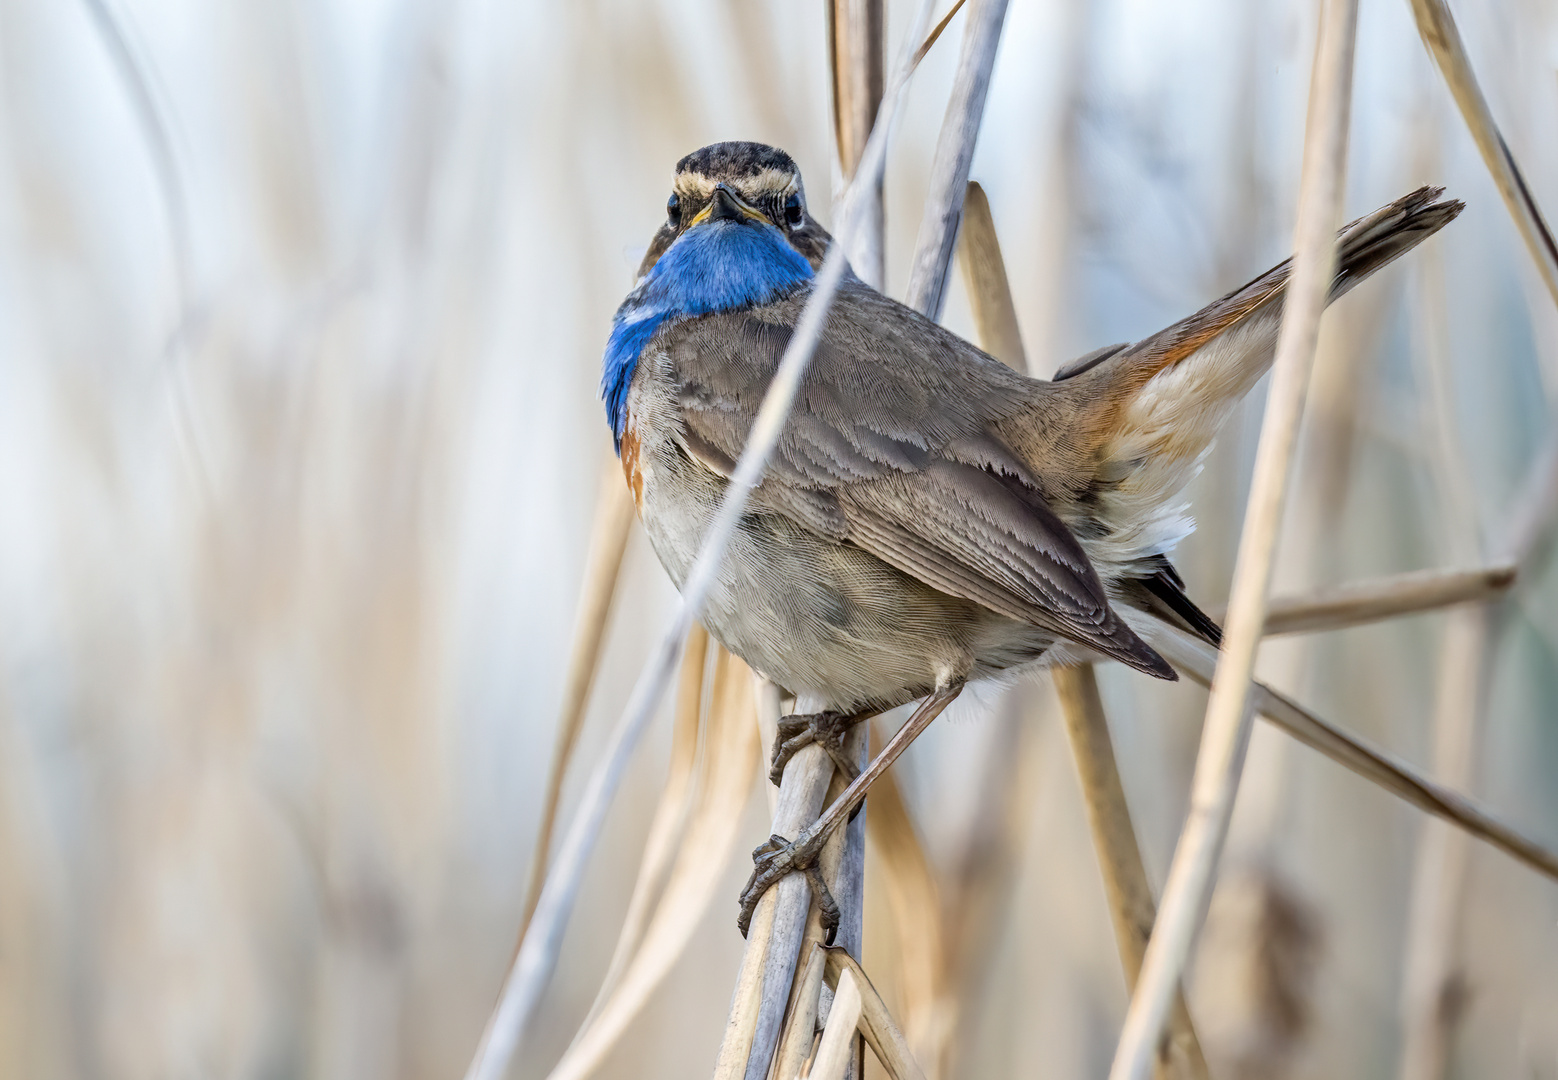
(742, 182)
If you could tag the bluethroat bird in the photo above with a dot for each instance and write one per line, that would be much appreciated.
(930, 517)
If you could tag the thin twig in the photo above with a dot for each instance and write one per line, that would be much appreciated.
(1225, 735)
(1129, 894)
(602, 567)
(954, 155)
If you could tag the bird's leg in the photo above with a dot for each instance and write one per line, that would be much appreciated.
(826, 729)
(777, 856)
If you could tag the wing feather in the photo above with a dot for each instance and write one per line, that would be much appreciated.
(890, 447)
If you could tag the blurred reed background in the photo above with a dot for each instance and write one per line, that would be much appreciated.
(301, 309)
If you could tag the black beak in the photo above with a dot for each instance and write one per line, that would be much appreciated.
(723, 205)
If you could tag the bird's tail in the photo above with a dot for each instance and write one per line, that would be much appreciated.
(1147, 412)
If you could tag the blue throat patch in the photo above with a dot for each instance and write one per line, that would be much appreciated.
(715, 266)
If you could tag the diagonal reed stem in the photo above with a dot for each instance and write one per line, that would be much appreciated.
(1129, 894)
(1197, 659)
(1131, 906)
(602, 567)
(1225, 736)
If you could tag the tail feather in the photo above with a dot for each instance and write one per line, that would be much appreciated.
(1149, 411)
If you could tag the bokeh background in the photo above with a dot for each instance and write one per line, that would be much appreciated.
(301, 309)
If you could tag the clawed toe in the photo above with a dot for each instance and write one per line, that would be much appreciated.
(826, 729)
(772, 860)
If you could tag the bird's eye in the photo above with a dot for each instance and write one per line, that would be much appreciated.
(794, 212)
(673, 210)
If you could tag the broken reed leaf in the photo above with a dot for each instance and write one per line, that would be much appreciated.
(1225, 733)
(882, 1032)
(726, 770)
(836, 1052)
(930, 38)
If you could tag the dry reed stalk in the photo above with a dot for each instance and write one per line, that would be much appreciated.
(835, 865)
(954, 154)
(1225, 734)
(609, 534)
(881, 1031)
(747, 998)
(1198, 660)
(836, 1053)
(1129, 894)
(537, 956)
(1131, 906)
(1383, 598)
(728, 765)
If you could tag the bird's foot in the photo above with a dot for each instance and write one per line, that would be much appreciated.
(773, 860)
(826, 729)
